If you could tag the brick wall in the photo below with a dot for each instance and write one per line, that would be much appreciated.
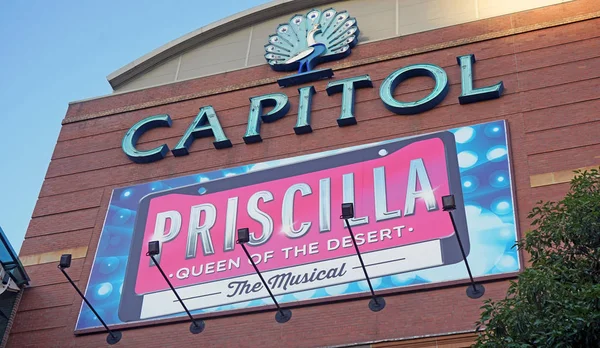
(551, 102)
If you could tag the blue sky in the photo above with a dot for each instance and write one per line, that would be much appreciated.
(54, 52)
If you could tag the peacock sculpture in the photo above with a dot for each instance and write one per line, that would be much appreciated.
(308, 40)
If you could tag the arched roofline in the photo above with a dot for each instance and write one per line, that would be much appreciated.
(211, 31)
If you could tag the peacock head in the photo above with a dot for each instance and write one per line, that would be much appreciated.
(315, 29)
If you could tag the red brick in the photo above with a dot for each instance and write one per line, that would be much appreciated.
(579, 135)
(68, 202)
(561, 94)
(64, 222)
(48, 296)
(565, 159)
(562, 53)
(560, 74)
(47, 273)
(52, 242)
(556, 117)
(39, 319)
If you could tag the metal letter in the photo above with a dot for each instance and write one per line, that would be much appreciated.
(347, 87)
(325, 205)
(287, 211)
(379, 183)
(348, 197)
(260, 216)
(470, 95)
(280, 104)
(417, 170)
(161, 224)
(134, 133)
(204, 229)
(230, 224)
(386, 91)
(200, 129)
(304, 110)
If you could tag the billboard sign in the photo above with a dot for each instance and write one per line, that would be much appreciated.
(298, 241)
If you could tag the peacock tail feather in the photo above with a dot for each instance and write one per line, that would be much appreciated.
(339, 33)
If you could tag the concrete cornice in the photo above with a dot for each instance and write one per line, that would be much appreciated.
(221, 27)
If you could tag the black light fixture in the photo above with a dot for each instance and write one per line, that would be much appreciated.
(347, 211)
(282, 315)
(377, 303)
(197, 326)
(448, 203)
(243, 236)
(113, 335)
(474, 290)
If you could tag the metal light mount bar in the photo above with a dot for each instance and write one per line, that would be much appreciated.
(197, 326)
(377, 303)
(282, 315)
(113, 335)
(475, 290)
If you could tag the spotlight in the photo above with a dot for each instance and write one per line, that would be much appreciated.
(65, 261)
(347, 211)
(448, 203)
(153, 248)
(243, 235)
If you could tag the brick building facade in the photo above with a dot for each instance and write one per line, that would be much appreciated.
(548, 59)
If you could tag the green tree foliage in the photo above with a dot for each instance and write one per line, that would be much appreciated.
(556, 301)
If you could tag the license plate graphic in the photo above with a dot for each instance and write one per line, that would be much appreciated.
(298, 239)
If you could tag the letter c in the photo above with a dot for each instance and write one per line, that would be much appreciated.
(322, 273)
(134, 133)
